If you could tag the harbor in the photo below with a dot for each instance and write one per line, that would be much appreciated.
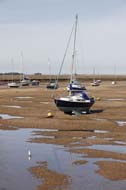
(61, 151)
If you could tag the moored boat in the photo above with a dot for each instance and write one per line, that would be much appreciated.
(75, 85)
(25, 82)
(13, 85)
(77, 101)
(52, 85)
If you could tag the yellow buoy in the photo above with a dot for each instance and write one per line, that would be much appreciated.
(49, 115)
(98, 98)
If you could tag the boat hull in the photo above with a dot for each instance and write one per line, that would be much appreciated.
(70, 106)
(13, 85)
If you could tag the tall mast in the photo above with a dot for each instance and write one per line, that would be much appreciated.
(12, 65)
(22, 65)
(74, 47)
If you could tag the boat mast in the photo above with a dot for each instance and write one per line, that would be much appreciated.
(12, 65)
(74, 48)
(49, 65)
(22, 66)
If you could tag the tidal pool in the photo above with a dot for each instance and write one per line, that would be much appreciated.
(14, 164)
(24, 97)
(100, 131)
(11, 106)
(121, 123)
(7, 116)
(116, 99)
(112, 148)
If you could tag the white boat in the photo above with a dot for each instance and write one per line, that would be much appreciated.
(77, 101)
(13, 85)
(75, 85)
(35, 83)
(95, 83)
(52, 85)
(25, 82)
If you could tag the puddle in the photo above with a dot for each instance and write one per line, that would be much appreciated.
(44, 130)
(108, 139)
(99, 119)
(44, 102)
(49, 130)
(116, 99)
(78, 138)
(14, 164)
(7, 116)
(11, 106)
(112, 148)
(120, 142)
(92, 137)
(23, 97)
(121, 123)
(75, 143)
(46, 137)
(100, 131)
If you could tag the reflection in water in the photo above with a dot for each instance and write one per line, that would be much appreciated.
(17, 155)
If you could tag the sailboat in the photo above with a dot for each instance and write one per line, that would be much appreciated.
(75, 85)
(52, 82)
(25, 81)
(77, 101)
(13, 84)
(95, 82)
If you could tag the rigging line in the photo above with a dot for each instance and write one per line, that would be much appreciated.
(65, 53)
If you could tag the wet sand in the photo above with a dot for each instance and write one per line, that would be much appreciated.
(112, 170)
(106, 125)
(52, 179)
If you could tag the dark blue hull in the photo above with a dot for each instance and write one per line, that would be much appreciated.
(71, 106)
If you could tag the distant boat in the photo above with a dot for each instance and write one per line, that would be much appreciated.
(25, 81)
(52, 85)
(77, 101)
(96, 83)
(75, 85)
(35, 83)
(13, 84)
(114, 82)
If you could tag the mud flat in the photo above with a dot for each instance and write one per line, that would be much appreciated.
(82, 145)
(112, 170)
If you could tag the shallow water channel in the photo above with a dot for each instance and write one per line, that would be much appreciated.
(14, 164)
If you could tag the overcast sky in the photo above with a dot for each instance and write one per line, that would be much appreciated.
(39, 29)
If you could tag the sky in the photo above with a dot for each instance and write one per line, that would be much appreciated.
(34, 35)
